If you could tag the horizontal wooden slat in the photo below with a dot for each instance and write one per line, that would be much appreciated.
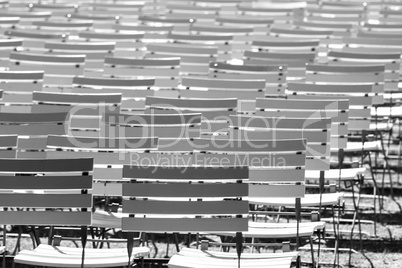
(72, 98)
(276, 175)
(268, 133)
(245, 145)
(185, 173)
(8, 141)
(330, 88)
(248, 158)
(171, 103)
(185, 225)
(56, 117)
(45, 218)
(275, 103)
(215, 83)
(153, 119)
(185, 207)
(81, 143)
(185, 190)
(172, 61)
(175, 131)
(33, 129)
(112, 82)
(277, 190)
(46, 165)
(278, 123)
(46, 200)
(45, 182)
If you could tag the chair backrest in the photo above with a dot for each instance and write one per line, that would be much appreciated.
(52, 204)
(190, 196)
(274, 75)
(337, 110)
(194, 59)
(360, 99)
(8, 146)
(175, 126)
(316, 131)
(276, 167)
(166, 71)
(195, 87)
(109, 155)
(18, 86)
(59, 69)
(215, 112)
(133, 91)
(32, 130)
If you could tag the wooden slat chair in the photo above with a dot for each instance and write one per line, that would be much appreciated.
(360, 99)
(242, 35)
(299, 51)
(194, 59)
(261, 25)
(338, 29)
(95, 52)
(177, 199)
(56, 9)
(349, 14)
(109, 154)
(32, 130)
(215, 112)
(279, 12)
(152, 33)
(8, 146)
(246, 91)
(134, 91)
(359, 56)
(8, 22)
(53, 176)
(72, 27)
(7, 46)
(26, 17)
(197, 12)
(85, 110)
(58, 69)
(358, 75)
(34, 40)
(376, 45)
(128, 44)
(316, 131)
(337, 110)
(274, 165)
(294, 61)
(18, 86)
(274, 75)
(222, 42)
(166, 71)
(126, 12)
(174, 126)
(181, 24)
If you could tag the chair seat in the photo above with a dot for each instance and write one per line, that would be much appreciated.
(46, 255)
(307, 201)
(193, 258)
(280, 230)
(106, 219)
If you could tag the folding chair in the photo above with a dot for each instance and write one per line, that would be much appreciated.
(214, 112)
(64, 200)
(58, 69)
